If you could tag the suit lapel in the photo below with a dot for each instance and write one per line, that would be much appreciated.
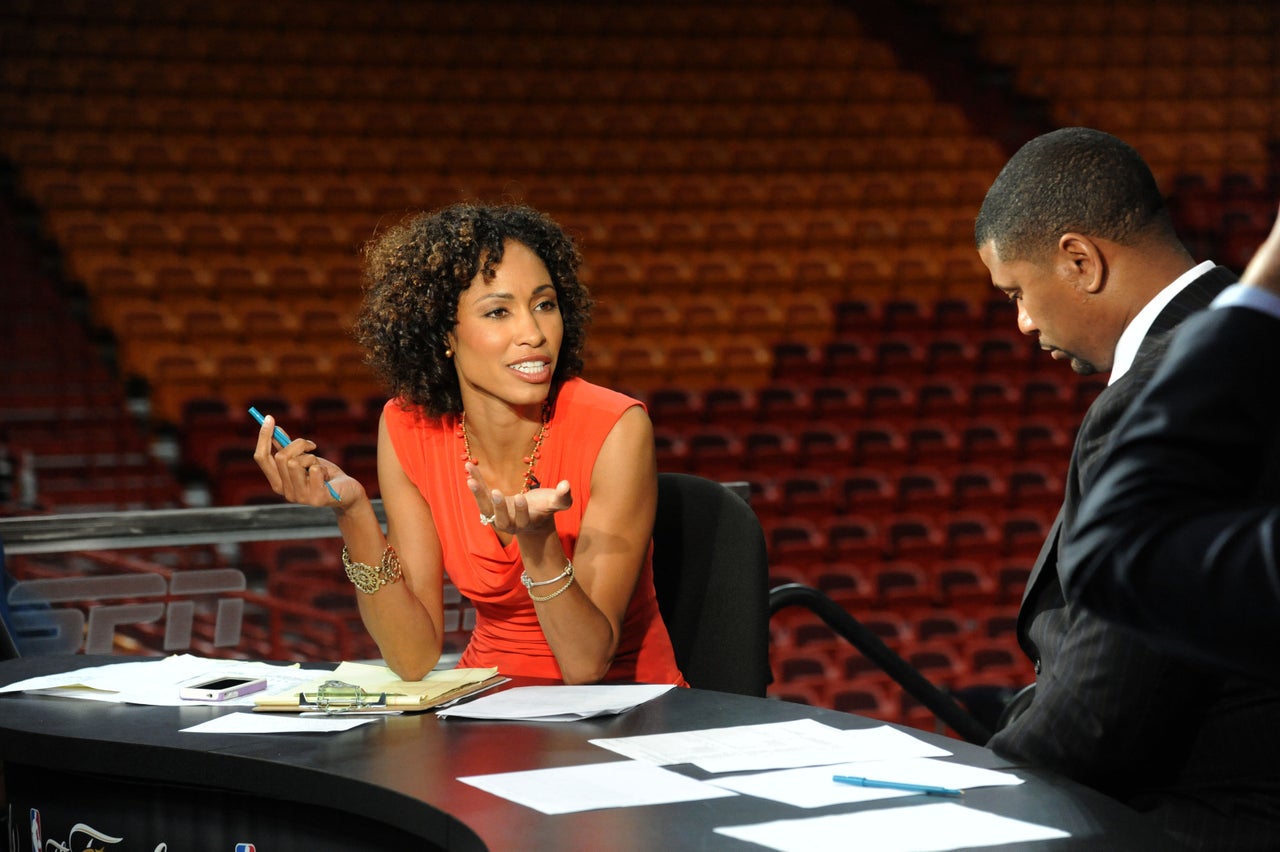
(1046, 566)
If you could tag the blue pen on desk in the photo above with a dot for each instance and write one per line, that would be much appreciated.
(897, 785)
(283, 440)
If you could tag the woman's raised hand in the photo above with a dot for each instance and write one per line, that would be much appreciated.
(297, 474)
(529, 511)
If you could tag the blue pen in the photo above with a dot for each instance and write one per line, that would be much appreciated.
(897, 785)
(283, 440)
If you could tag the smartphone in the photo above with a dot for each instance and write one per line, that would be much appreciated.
(222, 688)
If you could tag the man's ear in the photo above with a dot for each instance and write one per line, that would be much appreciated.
(1082, 261)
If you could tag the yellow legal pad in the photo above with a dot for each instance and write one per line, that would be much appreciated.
(375, 682)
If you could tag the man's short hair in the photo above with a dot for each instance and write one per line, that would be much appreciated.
(1070, 180)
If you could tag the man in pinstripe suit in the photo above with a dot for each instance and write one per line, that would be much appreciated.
(1075, 232)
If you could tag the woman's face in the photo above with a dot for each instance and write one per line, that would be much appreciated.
(509, 331)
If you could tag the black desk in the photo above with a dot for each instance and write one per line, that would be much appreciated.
(392, 784)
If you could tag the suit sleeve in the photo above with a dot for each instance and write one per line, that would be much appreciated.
(1179, 537)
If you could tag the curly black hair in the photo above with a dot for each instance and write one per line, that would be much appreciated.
(415, 273)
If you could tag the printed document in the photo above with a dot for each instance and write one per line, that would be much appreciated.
(619, 784)
(776, 745)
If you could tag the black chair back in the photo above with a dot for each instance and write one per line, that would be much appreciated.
(711, 574)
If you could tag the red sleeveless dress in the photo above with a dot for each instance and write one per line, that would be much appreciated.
(507, 633)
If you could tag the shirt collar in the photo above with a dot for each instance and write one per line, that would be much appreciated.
(1136, 331)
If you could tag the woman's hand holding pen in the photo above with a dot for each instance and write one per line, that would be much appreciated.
(517, 514)
(297, 474)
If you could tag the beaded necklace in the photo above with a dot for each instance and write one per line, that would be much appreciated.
(530, 481)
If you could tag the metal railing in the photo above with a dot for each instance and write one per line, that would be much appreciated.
(165, 527)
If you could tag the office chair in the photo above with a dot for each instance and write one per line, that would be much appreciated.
(8, 645)
(711, 575)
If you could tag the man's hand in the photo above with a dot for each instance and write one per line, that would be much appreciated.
(1264, 269)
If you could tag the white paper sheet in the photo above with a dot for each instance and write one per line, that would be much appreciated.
(776, 745)
(909, 828)
(812, 786)
(556, 703)
(619, 784)
(156, 681)
(277, 723)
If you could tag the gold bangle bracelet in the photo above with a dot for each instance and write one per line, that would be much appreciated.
(369, 578)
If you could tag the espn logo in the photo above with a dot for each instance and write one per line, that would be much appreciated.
(43, 629)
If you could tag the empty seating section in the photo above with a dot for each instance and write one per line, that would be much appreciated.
(1188, 84)
(776, 219)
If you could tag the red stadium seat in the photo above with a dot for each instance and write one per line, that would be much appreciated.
(823, 445)
(899, 583)
(923, 490)
(971, 535)
(836, 401)
(869, 700)
(963, 583)
(866, 492)
(796, 541)
(855, 540)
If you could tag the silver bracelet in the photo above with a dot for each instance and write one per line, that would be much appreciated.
(530, 583)
(557, 593)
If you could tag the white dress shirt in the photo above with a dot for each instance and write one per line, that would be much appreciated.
(1131, 338)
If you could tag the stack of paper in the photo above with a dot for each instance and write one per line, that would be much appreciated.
(794, 763)
(158, 681)
(435, 689)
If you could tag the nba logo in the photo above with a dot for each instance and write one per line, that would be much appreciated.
(246, 847)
